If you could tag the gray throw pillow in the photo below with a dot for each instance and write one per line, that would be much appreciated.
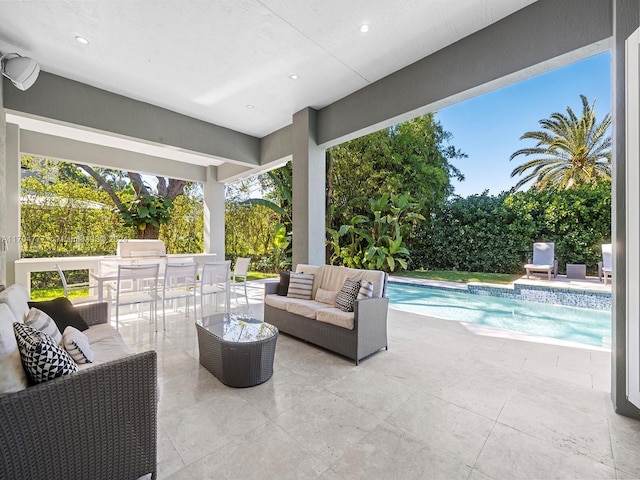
(300, 285)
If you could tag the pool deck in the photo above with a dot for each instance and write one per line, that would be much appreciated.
(447, 400)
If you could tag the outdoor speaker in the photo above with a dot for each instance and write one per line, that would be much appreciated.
(22, 71)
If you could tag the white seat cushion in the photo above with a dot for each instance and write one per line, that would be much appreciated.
(337, 317)
(532, 266)
(99, 332)
(106, 344)
(305, 308)
(276, 301)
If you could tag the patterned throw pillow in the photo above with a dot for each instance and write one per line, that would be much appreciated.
(43, 322)
(366, 289)
(41, 357)
(348, 294)
(300, 285)
(77, 345)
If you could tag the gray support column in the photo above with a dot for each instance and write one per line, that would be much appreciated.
(3, 188)
(309, 179)
(213, 214)
(626, 19)
(12, 200)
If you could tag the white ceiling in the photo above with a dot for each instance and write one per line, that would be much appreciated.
(210, 59)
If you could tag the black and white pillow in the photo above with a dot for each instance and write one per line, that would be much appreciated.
(300, 285)
(348, 294)
(366, 289)
(43, 322)
(41, 357)
(77, 345)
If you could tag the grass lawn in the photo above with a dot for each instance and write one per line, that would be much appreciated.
(461, 277)
(51, 293)
(441, 275)
(261, 275)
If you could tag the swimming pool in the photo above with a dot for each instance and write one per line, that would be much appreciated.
(579, 325)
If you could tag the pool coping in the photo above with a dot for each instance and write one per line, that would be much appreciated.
(561, 293)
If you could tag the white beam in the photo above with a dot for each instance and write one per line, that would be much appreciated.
(43, 145)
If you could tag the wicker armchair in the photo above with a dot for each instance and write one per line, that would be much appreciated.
(99, 423)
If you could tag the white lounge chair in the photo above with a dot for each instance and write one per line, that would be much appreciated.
(605, 267)
(543, 259)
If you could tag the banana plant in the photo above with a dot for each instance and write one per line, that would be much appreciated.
(376, 240)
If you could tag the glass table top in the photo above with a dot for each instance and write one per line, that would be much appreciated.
(237, 327)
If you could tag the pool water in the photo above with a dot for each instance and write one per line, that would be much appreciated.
(579, 325)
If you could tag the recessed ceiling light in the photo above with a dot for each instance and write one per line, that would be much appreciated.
(293, 76)
(364, 28)
(251, 106)
(82, 40)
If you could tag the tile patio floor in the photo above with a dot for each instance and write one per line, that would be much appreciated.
(446, 401)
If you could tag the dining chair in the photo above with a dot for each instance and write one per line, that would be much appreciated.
(179, 282)
(67, 287)
(136, 285)
(214, 279)
(241, 270)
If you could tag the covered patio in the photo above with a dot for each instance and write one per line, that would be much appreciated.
(446, 401)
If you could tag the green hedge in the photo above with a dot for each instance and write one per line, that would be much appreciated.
(484, 233)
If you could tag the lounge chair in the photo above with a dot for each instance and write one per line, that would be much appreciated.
(605, 267)
(543, 259)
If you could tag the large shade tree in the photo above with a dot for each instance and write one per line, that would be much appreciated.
(413, 156)
(138, 205)
(570, 150)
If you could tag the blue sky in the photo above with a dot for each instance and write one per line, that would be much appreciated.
(488, 128)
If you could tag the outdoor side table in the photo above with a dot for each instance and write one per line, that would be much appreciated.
(237, 349)
(576, 271)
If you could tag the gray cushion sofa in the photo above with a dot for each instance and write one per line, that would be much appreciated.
(355, 335)
(97, 423)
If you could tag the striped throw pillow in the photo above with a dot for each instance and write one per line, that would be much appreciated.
(348, 294)
(300, 285)
(44, 323)
(366, 289)
(77, 345)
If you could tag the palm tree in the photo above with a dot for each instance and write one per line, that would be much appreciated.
(574, 151)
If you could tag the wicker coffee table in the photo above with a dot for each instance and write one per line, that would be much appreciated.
(237, 349)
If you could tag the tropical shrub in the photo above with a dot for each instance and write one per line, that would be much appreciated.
(377, 240)
(486, 233)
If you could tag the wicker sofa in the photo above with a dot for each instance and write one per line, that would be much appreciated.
(355, 335)
(97, 423)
